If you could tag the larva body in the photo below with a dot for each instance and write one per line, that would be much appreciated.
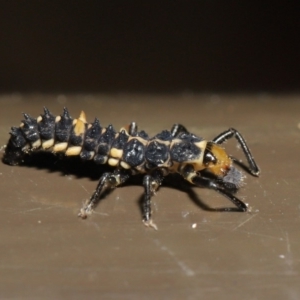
(132, 152)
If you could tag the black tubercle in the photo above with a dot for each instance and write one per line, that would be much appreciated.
(13, 151)
(46, 126)
(185, 151)
(90, 143)
(13, 156)
(63, 127)
(142, 134)
(17, 139)
(134, 153)
(120, 140)
(156, 153)
(165, 135)
(189, 137)
(92, 135)
(76, 140)
(104, 144)
(108, 136)
(29, 129)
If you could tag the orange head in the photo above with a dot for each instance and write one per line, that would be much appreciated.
(216, 160)
(219, 163)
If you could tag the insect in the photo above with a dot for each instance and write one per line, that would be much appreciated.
(130, 151)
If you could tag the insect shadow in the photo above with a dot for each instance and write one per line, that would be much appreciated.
(88, 169)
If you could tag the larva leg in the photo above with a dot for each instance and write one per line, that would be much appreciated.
(107, 181)
(151, 184)
(207, 183)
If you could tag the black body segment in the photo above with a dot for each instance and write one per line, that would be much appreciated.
(14, 152)
(29, 129)
(17, 140)
(108, 136)
(120, 141)
(92, 135)
(165, 135)
(156, 153)
(184, 151)
(46, 125)
(63, 127)
(132, 152)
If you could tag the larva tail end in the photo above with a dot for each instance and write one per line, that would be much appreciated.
(12, 155)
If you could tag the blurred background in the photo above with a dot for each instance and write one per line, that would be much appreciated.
(165, 46)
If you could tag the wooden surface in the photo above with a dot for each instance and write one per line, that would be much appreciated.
(48, 253)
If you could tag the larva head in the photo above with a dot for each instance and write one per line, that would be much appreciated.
(216, 160)
(219, 163)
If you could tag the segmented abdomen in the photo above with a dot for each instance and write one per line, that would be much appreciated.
(62, 134)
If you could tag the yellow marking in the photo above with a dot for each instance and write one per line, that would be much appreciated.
(39, 119)
(167, 143)
(176, 141)
(201, 145)
(117, 153)
(60, 147)
(165, 164)
(223, 161)
(36, 144)
(82, 117)
(113, 162)
(144, 142)
(125, 165)
(21, 125)
(89, 126)
(57, 119)
(198, 163)
(74, 150)
(126, 129)
(48, 144)
(141, 168)
(79, 127)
